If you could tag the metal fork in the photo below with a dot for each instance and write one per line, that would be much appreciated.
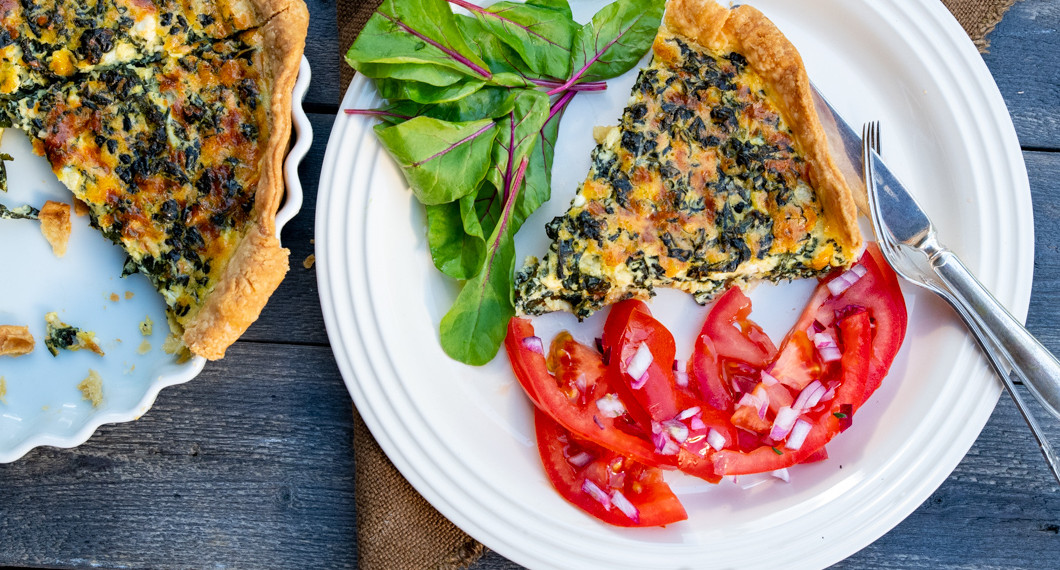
(905, 268)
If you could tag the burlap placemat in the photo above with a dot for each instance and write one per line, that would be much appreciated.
(396, 527)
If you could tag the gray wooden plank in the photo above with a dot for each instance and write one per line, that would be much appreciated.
(248, 465)
(1043, 169)
(1022, 59)
(999, 509)
(322, 51)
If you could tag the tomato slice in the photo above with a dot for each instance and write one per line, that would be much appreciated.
(608, 486)
(584, 420)
(855, 335)
(727, 342)
(630, 333)
(879, 293)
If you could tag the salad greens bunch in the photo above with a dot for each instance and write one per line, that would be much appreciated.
(473, 108)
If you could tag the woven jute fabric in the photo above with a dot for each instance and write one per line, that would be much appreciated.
(396, 527)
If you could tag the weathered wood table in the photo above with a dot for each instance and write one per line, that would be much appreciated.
(251, 464)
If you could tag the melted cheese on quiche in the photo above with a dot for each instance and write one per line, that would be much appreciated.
(701, 186)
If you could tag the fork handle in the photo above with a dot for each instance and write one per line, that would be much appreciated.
(1032, 362)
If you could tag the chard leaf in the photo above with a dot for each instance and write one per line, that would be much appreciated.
(421, 32)
(473, 329)
(541, 32)
(456, 251)
(538, 179)
(498, 56)
(429, 74)
(441, 160)
(489, 102)
(614, 41)
(396, 90)
(518, 133)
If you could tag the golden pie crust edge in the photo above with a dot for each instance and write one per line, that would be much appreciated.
(259, 263)
(748, 32)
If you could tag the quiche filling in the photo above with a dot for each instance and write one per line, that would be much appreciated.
(701, 186)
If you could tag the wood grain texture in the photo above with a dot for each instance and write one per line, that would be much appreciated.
(245, 466)
(1023, 60)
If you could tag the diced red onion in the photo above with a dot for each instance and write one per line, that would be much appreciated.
(597, 421)
(782, 474)
(638, 365)
(597, 493)
(768, 379)
(677, 430)
(716, 439)
(748, 400)
(664, 445)
(534, 344)
(622, 503)
(761, 404)
(783, 423)
(681, 378)
(610, 406)
(639, 382)
(846, 279)
(798, 435)
(684, 415)
(696, 423)
(809, 396)
(679, 375)
(830, 393)
(581, 459)
(827, 348)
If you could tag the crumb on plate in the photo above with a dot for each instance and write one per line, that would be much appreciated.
(55, 225)
(15, 340)
(92, 388)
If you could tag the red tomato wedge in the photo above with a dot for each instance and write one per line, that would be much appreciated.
(607, 485)
(824, 423)
(584, 421)
(722, 350)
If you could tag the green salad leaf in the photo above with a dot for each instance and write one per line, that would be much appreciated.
(473, 108)
(441, 160)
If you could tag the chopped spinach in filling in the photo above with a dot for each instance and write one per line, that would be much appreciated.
(701, 186)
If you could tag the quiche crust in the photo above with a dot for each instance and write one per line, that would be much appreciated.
(259, 263)
(747, 31)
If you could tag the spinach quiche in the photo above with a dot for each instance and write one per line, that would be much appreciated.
(717, 175)
(169, 119)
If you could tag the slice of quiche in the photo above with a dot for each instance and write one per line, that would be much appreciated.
(179, 159)
(717, 175)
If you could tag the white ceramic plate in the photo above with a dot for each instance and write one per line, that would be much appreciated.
(43, 405)
(463, 436)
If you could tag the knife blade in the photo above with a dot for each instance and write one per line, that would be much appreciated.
(907, 224)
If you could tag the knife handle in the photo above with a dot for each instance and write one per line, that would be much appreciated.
(1032, 362)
